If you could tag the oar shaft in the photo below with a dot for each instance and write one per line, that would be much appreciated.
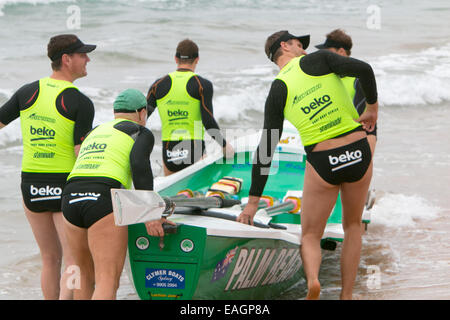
(282, 207)
(202, 203)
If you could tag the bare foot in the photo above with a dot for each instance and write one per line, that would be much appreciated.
(313, 290)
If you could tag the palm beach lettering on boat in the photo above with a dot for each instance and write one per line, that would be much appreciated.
(254, 268)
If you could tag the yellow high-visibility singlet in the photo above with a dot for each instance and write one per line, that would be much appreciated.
(318, 106)
(48, 145)
(179, 112)
(105, 153)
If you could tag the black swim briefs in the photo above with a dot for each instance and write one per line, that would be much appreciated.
(178, 155)
(348, 163)
(41, 192)
(85, 202)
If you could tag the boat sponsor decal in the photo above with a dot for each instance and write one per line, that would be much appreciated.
(223, 265)
(263, 266)
(165, 278)
(142, 243)
(187, 245)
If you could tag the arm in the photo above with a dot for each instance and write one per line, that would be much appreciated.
(272, 131)
(143, 176)
(157, 90)
(9, 111)
(205, 95)
(324, 62)
(74, 105)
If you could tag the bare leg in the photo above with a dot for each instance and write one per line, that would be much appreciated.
(65, 292)
(108, 245)
(167, 172)
(319, 198)
(77, 239)
(46, 236)
(353, 198)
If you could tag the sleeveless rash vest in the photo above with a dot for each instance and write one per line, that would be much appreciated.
(48, 145)
(105, 153)
(318, 106)
(179, 112)
(349, 84)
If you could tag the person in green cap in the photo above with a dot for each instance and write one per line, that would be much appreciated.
(113, 155)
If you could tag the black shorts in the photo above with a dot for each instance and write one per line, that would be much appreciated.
(84, 202)
(348, 163)
(41, 192)
(178, 155)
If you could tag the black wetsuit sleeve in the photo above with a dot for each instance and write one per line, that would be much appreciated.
(22, 99)
(359, 101)
(203, 90)
(76, 106)
(10, 110)
(272, 131)
(323, 62)
(157, 90)
(140, 160)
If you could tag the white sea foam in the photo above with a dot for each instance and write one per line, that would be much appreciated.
(398, 210)
(4, 3)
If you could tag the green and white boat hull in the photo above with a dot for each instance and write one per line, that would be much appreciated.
(213, 258)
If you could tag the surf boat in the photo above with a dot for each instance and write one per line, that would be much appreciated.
(208, 255)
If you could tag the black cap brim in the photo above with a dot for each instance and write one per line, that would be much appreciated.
(321, 46)
(304, 40)
(86, 48)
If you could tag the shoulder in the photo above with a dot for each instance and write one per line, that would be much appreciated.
(203, 81)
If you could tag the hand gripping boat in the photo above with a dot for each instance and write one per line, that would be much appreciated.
(208, 255)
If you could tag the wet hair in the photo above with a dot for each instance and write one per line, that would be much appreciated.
(187, 51)
(340, 36)
(57, 44)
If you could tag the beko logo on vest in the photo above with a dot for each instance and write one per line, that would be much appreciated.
(180, 114)
(45, 191)
(345, 159)
(45, 132)
(94, 147)
(325, 101)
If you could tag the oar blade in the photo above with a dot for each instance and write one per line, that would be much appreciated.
(136, 206)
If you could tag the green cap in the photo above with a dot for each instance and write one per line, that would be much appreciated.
(130, 100)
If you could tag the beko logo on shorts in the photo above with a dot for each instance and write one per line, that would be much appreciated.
(345, 159)
(45, 191)
(177, 153)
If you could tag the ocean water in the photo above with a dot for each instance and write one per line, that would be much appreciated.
(406, 250)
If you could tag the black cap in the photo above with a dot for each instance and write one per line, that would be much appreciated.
(286, 37)
(329, 43)
(77, 47)
(192, 56)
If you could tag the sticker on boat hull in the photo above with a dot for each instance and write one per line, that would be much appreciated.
(187, 245)
(165, 278)
(142, 243)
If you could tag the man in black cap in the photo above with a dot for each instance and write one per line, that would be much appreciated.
(184, 102)
(339, 42)
(308, 93)
(55, 117)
